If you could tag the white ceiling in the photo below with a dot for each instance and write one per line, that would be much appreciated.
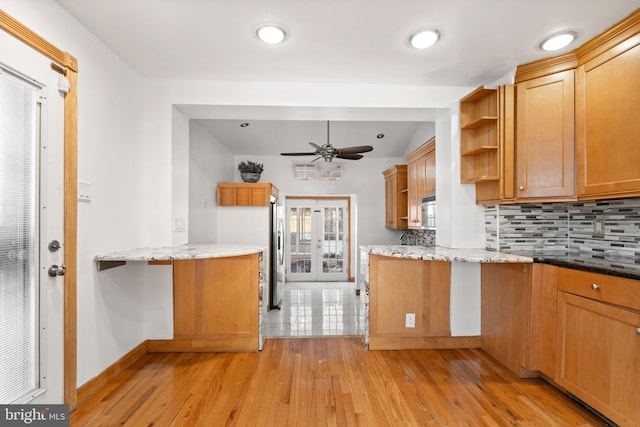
(335, 41)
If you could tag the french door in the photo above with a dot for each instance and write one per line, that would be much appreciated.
(318, 246)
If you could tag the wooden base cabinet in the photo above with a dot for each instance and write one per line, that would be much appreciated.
(401, 286)
(505, 302)
(598, 343)
(216, 304)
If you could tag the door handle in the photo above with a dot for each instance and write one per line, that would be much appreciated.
(57, 270)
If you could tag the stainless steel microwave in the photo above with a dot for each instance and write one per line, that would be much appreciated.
(429, 213)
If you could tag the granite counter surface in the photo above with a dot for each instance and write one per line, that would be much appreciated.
(180, 252)
(438, 253)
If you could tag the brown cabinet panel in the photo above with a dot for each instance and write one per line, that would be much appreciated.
(597, 356)
(608, 129)
(217, 299)
(396, 203)
(505, 302)
(542, 327)
(245, 194)
(545, 153)
(401, 286)
(421, 172)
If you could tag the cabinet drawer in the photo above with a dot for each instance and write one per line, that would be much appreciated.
(600, 287)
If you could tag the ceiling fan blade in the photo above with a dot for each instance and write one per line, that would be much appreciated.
(354, 150)
(316, 146)
(349, 156)
(299, 154)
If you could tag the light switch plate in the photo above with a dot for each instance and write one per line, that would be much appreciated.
(84, 191)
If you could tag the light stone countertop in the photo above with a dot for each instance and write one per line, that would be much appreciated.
(439, 253)
(188, 251)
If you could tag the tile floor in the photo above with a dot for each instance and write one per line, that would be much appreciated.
(316, 309)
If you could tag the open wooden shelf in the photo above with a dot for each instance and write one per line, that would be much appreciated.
(479, 147)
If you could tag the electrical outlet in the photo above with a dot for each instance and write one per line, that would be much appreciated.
(598, 226)
(410, 320)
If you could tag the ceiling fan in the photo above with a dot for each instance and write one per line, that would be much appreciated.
(328, 151)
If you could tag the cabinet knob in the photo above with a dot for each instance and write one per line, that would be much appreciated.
(521, 187)
(638, 331)
(595, 286)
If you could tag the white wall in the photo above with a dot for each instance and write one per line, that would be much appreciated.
(209, 163)
(424, 133)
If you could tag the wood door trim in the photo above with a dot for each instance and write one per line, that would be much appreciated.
(350, 278)
(70, 69)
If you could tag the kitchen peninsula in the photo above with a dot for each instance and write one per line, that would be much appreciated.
(217, 294)
(408, 296)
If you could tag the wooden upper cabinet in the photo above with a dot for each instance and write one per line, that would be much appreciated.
(245, 194)
(421, 183)
(396, 191)
(486, 146)
(608, 119)
(545, 143)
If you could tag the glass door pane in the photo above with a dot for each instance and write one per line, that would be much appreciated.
(300, 248)
(332, 243)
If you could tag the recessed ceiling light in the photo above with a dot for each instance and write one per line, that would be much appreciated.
(558, 40)
(425, 38)
(244, 125)
(271, 33)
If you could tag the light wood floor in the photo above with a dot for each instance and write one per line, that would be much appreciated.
(327, 382)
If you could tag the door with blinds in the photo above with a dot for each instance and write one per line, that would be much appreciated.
(318, 246)
(31, 229)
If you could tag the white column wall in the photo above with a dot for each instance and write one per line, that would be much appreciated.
(460, 224)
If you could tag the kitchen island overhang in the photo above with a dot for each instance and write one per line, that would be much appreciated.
(218, 294)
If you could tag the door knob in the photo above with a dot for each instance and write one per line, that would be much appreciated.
(57, 270)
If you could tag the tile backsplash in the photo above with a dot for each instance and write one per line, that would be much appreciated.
(602, 228)
(418, 238)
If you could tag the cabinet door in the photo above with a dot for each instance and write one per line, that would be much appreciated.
(430, 174)
(413, 185)
(597, 356)
(542, 323)
(608, 129)
(391, 201)
(545, 153)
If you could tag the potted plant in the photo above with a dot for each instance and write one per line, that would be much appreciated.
(250, 171)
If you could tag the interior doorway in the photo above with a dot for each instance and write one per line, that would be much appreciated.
(318, 239)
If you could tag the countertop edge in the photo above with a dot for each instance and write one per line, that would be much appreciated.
(183, 252)
(439, 253)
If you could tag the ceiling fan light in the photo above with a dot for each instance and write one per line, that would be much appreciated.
(423, 39)
(271, 33)
(558, 41)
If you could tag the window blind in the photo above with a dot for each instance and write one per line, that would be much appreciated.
(19, 290)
